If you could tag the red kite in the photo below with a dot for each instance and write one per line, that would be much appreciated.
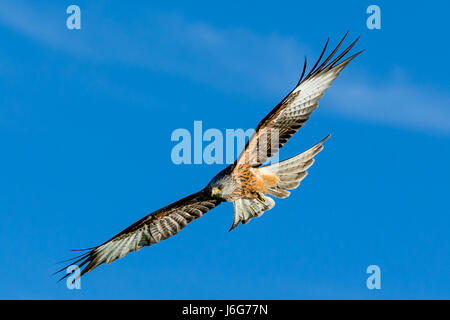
(246, 182)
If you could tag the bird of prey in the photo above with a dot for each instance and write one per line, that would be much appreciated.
(246, 182)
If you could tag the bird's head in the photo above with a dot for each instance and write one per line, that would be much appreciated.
(221, 186)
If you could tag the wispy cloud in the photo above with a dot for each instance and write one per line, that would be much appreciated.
(233, 59)
(168, 43)
(394, 102)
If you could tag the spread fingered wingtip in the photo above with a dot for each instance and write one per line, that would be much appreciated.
(303, 72)
(326, 64)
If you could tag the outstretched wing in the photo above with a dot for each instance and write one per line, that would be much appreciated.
(151, 229)
(295, 109)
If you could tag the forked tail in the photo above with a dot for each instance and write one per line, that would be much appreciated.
(290, 173)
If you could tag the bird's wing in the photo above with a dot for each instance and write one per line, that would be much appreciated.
(295, 109)
(151, 229)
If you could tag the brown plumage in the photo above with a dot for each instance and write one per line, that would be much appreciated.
(245, 183)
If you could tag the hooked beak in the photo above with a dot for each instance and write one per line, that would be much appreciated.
(215, 191)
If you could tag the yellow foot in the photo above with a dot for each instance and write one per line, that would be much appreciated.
(261, 197)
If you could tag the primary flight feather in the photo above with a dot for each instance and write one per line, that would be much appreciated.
(246, 182)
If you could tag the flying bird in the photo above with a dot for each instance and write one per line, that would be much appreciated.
(246, 182)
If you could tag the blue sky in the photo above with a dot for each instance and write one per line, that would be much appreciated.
(86, 118)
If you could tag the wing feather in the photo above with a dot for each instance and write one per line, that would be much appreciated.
(295, 109)
(151, 229)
